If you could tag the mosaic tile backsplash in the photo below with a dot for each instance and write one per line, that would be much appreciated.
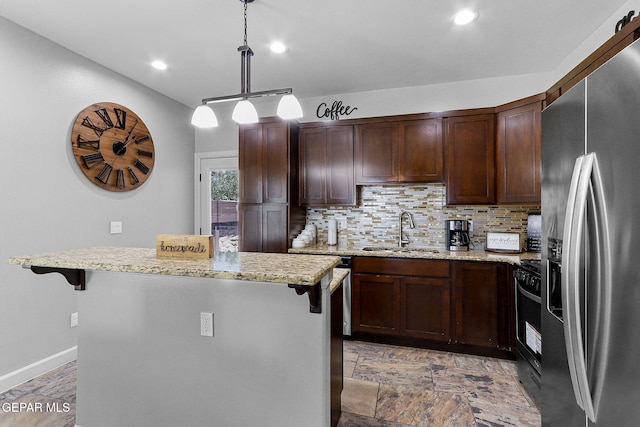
(375, 220)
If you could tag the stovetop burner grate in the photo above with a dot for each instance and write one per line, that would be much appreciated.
(532, 264)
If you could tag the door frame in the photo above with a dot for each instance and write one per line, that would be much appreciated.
(202, 163)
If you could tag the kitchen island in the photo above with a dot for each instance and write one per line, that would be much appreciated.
(143, 361)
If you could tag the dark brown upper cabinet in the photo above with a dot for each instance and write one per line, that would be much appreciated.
(398, 151)
(376, 152)
(269, 215)
(421, 156)
(326, 166)
(470, 146)
(518, 152)
(264, 156)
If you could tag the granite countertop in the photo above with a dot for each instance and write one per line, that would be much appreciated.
(416, 252)
(250, 266)
(338, 277)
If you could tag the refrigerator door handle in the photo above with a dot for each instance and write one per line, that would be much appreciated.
(573, 241)
(565, 294)
(586, 186)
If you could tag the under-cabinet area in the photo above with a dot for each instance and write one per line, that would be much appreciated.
(460, 306)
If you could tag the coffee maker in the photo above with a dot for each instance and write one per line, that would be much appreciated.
(457, 234)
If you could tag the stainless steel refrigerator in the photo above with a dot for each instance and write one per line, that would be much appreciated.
(591, 239)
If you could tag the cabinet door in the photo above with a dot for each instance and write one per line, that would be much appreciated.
(518, 154)
(250, 227)
(340, 185)
(376, 154)
(313, 166)
(421, 157)
(250, 159)
(274, 228)
(275, 163)
(425, 308)
(470, 147)
(476, 303)
(375, 304)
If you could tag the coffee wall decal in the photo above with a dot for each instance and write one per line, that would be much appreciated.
(335, 111)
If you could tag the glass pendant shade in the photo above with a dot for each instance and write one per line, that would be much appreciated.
(245, 113)
(204, 117)
(289, 107)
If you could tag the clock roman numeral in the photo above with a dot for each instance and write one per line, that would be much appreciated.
(145, 153)
(121, 118)
(104, 115)
(142, 139)
(134, 178)
(105, 173)
(88, 123)
(93, 144)
(92, 160)
(120, 178)
(144, 168)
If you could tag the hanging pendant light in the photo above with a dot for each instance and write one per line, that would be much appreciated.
(244, 111)
(289, 107)
(204, 117)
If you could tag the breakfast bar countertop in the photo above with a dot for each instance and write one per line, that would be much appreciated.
(415, 252)
(250, 266)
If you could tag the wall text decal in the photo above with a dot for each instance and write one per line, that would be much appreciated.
(336, 110)
(624, 21)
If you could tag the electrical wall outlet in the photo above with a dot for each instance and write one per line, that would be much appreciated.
(73, 322)
(115, 227)
(470, 226)
(206, 324)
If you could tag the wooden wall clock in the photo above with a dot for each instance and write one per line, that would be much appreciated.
(112, 146)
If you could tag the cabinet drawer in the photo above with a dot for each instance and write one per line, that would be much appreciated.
(401, 266)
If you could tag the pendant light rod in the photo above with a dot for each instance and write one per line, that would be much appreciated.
(246, 95)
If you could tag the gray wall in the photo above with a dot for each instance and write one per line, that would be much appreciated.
(46, 204)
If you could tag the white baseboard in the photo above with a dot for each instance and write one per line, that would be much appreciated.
(22, 375)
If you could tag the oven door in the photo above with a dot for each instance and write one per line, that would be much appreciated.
(528, 321)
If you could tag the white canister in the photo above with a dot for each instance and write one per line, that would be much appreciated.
(332, 236)
(313, 230)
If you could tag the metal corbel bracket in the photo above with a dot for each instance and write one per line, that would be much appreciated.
(75, 277)
(315, 295)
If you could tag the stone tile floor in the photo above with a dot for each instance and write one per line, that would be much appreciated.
(384, 386)
(391, 386)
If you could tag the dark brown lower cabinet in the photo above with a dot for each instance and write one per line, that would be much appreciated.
(463, 306)
(400, 301)
(377, 305)
(425, 308)
(483, 303)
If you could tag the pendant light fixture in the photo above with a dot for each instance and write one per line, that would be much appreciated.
(244, 111)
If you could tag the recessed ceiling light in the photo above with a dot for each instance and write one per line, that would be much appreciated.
(465, 17)
(159, 65)
(278, 47)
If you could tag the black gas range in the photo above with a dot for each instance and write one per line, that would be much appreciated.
(528, 282)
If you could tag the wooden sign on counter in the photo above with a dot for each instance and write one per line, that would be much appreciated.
(184, 246)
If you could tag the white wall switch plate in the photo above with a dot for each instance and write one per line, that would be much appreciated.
(74, 320)
(116, 227)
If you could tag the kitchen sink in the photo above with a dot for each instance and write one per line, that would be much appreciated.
(398, 249)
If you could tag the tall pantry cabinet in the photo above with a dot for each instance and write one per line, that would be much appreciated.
(269, 215)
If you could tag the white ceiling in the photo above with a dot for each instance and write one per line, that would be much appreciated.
(335, 46)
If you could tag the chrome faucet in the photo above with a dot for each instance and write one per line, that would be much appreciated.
(403, 241)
